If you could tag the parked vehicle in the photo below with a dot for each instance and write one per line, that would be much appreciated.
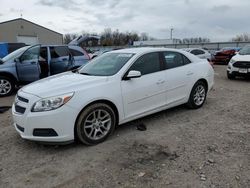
(199, 52)
(115, 88)
(32, 63)
(239, 65)
(225, 54)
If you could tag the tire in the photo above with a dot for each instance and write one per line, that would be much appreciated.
(198, 95)
(7, 86)
(95, 124)
(230, 76)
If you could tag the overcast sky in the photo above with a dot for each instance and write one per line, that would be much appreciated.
(219, 20)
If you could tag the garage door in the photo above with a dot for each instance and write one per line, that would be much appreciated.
(29, 40)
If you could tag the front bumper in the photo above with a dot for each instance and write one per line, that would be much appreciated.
(61, 121)
(237, 71)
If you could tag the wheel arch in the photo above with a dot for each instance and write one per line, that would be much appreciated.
(104, 101)
(9, 75)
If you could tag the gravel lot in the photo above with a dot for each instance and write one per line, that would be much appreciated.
(208, 147)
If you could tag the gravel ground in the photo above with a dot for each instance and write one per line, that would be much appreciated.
(208, 147)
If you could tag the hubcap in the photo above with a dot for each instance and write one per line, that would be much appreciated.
(97, 124)
(199, 95)
(5, 87)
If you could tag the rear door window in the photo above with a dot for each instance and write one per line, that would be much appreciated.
(173, 59)
(197, 52)
(76, 53)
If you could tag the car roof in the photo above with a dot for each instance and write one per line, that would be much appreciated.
(142, 50)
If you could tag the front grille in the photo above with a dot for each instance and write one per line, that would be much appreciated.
(22, 99)
(242, 64)
(19, 109)
(20, 128)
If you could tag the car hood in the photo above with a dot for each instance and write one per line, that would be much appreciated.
(239, 57)
(62, 83)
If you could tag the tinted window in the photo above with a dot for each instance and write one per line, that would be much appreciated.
(185, 60)
(75, 52)
(147, 64)
(173, 59)
(197, 52)
(59, 51)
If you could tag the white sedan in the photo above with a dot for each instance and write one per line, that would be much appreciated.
(115, 88)
(199, 52)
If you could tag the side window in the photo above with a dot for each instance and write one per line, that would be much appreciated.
(148, 63)
(185, 60)
(59, 51)
(32, 54)
(197, 52)
(173, 59)
(76, 52)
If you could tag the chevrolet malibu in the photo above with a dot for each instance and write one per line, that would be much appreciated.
(115, 88)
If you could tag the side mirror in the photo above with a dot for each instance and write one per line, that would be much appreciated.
(133, 74)
(1, 61)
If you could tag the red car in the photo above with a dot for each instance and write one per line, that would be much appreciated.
(225, 54)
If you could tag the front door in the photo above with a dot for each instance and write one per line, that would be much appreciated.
(28, 69)
(141, 95)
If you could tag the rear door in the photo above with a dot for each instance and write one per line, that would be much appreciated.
(178, 76)
(79, 57)
(60, 59)
(28, 68)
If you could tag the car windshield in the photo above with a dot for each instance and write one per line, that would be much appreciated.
(245, 51)
(15, 54)
(106, 65)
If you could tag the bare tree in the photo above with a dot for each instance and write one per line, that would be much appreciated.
(241, 38)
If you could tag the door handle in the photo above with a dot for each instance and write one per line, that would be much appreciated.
(160, 82)
(190, 73)
(33, 62)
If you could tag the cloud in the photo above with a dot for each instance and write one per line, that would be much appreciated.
(64, 4)
(221, 8)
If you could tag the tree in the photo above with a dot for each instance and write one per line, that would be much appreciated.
(242, 38)
(69, 37)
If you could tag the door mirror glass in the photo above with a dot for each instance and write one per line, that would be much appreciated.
(133, 74)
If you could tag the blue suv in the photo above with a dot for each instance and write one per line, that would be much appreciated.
(31, 63)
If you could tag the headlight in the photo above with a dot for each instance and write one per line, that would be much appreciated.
(232, 61)
(51, 103)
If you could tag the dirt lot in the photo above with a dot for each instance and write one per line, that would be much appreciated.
(209, 147)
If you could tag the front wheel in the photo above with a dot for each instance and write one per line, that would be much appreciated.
(230, 76)
(6, 86)
(198, 95)
(95, 124)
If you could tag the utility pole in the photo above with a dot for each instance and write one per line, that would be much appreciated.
(171, 33)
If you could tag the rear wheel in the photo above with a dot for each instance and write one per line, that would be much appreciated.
(6, 86)
(95, 124)
(198, 95)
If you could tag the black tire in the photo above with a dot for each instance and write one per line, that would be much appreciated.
(7, 86)
(193, 102)
(230, 76)
(85, 127)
